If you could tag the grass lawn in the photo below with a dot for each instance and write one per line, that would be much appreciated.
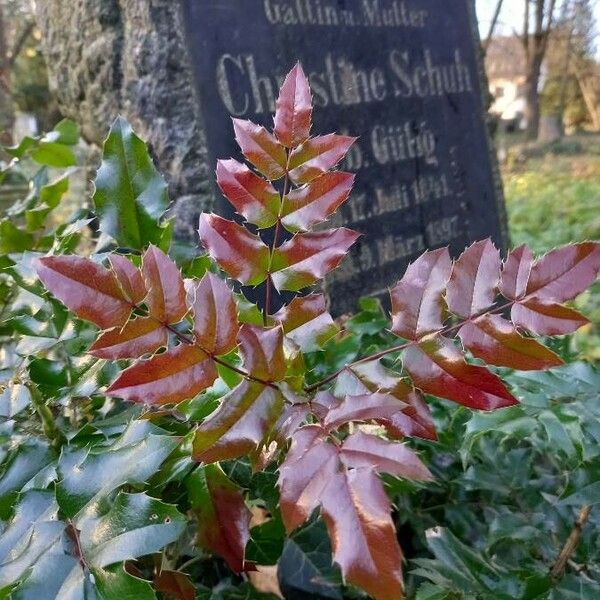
(554, 199)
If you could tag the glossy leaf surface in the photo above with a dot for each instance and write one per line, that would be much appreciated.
(262, 351)
(417, 300)
(223, 518)
(215, 315)
(307, 257)
(241, 254)
(541, 318)
(294, 109)
(238, 426)
(474, 280)
(129, 277)
(131, 196)
(166, 292)
(496, 341)
(317, 155)
(88, 289)
(314, 203)
(516, 272)
(261, 148)
(138, 337)
(438, 367)
(252, 196)
(168, 378)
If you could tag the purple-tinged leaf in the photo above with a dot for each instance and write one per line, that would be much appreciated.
(438, 367)
(294, 109)
(262, 351)
(308, 257)
(541, 318)
(474, 280)
(241, 254)
(515, 273)
(417, 301)
(261, 148)
(88, 289)
(166, 291)
(317, 155)
(129, 277)
(252, 197)
(497, 342)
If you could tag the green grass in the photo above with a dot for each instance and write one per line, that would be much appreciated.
(555, 200)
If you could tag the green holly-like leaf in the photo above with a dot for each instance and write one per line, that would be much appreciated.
(131, 196)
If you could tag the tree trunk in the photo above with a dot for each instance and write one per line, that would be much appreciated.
(110, 57)
(532, 97)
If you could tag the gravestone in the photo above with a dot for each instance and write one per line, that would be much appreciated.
(403, 75)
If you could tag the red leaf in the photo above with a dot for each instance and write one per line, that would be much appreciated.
(166, 292)
(261, 148)
(412, 417)
(496, 341)
(564, 273)
(314, 203)
(317, 155)
(515, 273)
(474, 280)
(306, 322)
(356, 511)
(223, 518)
(307, 257)
(262, 351)
(175, 584)
(168, 378)
(129, 277)
(88, 289)
(417, 301)
(438, 367)
(136, 338)
(238, 252)
(541, 318)
(362, 450)
(253, 197)
(354, 506)
(238, 426)
(215, 315)
(294, 109)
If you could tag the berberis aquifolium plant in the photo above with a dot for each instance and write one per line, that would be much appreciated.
(329, 440)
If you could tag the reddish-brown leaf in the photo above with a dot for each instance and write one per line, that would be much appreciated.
(138, 337)
(294, 109)
(253, 197)
(262, 351)
(129, 277)
(474, 280)
(317, 155)
(166, 292)
(307, 322)
(314, 203)
(362, 450)
(88, 289)
(239, 425)
(215, 315)
(412, 418)
(438, 367)
(497, 342)
(261, 148)
(175, 584)
(541, 318)
(354, 506)
(238, 252)
(515, 273)
(223, 518)
(168, 378)
(564, 273)
(417, 301)
(307, 257)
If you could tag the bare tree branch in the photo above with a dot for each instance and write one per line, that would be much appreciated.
(493, 24)
(565, 554)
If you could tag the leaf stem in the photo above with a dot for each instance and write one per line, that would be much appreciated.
(558, 569)
(269, 282)
(403, 346)
(51, 429)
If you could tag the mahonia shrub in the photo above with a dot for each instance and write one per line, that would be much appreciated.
(330, 440)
